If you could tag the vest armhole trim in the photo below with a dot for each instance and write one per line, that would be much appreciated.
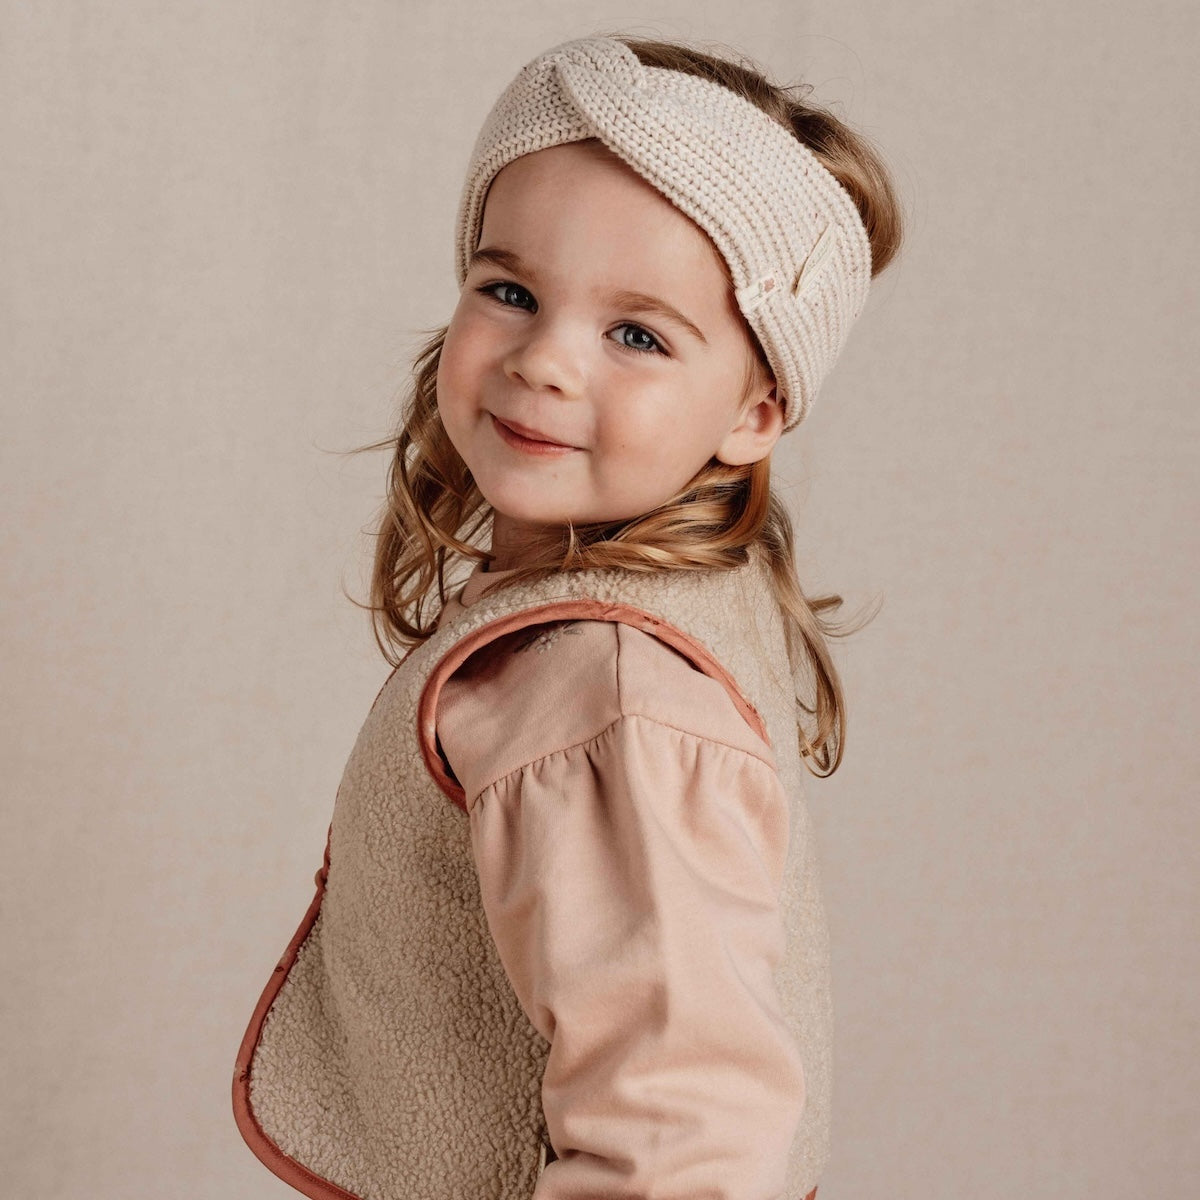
(591, 610)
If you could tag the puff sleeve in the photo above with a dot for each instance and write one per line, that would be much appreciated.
(631, 884)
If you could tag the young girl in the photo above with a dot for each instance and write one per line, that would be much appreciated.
(568, 941)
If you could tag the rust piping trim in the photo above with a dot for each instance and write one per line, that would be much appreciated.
(272, 1157)
(592, 610)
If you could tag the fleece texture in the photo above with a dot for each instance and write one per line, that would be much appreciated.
(389, 1056)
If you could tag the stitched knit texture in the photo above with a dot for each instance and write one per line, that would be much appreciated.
(793, 239)
(395, 1061)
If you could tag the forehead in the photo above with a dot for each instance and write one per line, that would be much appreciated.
(580, 202)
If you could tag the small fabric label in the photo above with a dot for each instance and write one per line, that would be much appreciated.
(753, 294)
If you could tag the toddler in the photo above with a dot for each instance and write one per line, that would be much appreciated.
(568, 941)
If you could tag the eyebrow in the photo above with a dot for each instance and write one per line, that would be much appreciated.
(640, 302)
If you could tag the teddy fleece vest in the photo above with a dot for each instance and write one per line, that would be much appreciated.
(388, 1057)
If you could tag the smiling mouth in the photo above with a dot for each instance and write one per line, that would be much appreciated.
(531, 435)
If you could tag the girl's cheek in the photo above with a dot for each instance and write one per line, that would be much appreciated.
(475, 336)
(641, 430)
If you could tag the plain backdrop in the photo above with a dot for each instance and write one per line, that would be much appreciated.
(224, 227)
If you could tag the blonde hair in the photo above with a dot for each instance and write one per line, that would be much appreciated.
(434, 508)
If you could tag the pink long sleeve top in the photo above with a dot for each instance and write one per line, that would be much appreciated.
(629, 831)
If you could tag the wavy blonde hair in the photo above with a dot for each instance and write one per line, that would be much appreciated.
(433, 508)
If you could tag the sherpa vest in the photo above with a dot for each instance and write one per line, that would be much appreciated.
(388, 1057)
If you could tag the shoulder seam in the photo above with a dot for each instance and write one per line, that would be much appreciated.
(624, 716)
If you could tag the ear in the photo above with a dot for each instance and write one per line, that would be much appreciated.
(758, 426)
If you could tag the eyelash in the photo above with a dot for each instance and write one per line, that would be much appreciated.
(489, 290)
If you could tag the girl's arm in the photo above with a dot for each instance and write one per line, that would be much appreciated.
(631, 882)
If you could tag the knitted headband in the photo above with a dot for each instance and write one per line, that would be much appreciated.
(792, 237)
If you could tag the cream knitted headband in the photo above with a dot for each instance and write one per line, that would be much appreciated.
(793, 239)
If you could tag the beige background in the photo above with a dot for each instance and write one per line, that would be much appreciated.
(224, 227)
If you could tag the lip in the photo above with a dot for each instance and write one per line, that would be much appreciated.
(529, 438)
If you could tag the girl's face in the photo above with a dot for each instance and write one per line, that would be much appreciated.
(548, 335)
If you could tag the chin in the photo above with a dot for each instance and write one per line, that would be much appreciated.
(517, 508)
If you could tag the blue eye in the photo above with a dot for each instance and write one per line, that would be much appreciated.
(653, 348)
(490, 290)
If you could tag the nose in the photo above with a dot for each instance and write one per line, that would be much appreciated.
(546, 355)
